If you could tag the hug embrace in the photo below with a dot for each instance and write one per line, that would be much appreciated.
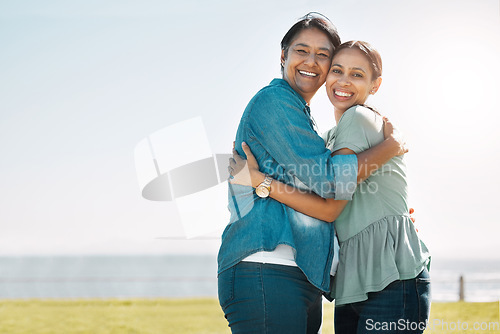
(321, 215)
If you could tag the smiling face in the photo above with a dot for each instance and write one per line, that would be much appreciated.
(350, 80)
(307, 61)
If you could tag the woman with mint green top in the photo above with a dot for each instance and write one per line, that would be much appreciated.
(379, 243)
(382, 283)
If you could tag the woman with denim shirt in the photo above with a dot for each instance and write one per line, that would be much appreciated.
(274, 262)
(382, 283)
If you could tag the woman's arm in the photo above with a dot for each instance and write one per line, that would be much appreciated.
(247, 173)
(309, 203)
(374, 158)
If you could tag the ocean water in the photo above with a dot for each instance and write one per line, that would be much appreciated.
(174, 276)
(183, 276)
(481, 279)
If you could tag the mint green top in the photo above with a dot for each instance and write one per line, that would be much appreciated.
(378, 241)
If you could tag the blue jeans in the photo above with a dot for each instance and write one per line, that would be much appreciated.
(402, 307)
(269, 298)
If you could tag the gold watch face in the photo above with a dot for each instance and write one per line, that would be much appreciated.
(262, 191)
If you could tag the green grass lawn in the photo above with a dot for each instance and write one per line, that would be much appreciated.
(462, 317)
(186, 316)
(112, 316)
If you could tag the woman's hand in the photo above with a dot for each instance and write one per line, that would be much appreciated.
(245, 172)
(392, 134)
(412, 217)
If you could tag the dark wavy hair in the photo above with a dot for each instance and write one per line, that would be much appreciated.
(309, 21)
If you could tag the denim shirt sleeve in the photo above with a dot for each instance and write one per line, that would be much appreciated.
(280, 124)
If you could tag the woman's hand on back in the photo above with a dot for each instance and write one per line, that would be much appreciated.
(245, 172)
(391, 133)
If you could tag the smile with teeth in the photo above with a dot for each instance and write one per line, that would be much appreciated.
(309, 74)
(343, 94)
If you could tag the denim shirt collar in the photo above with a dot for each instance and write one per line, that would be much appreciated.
(284, 83)
(307, 109)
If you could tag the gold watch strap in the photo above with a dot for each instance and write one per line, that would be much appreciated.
(267, 182)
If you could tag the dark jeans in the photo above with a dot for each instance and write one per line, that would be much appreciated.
(402, 307)
(269, 298)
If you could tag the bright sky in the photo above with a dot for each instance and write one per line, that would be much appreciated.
(82, 83)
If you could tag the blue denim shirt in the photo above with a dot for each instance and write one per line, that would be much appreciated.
(277, 126)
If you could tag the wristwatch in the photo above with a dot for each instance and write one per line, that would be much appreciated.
(264, 188)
